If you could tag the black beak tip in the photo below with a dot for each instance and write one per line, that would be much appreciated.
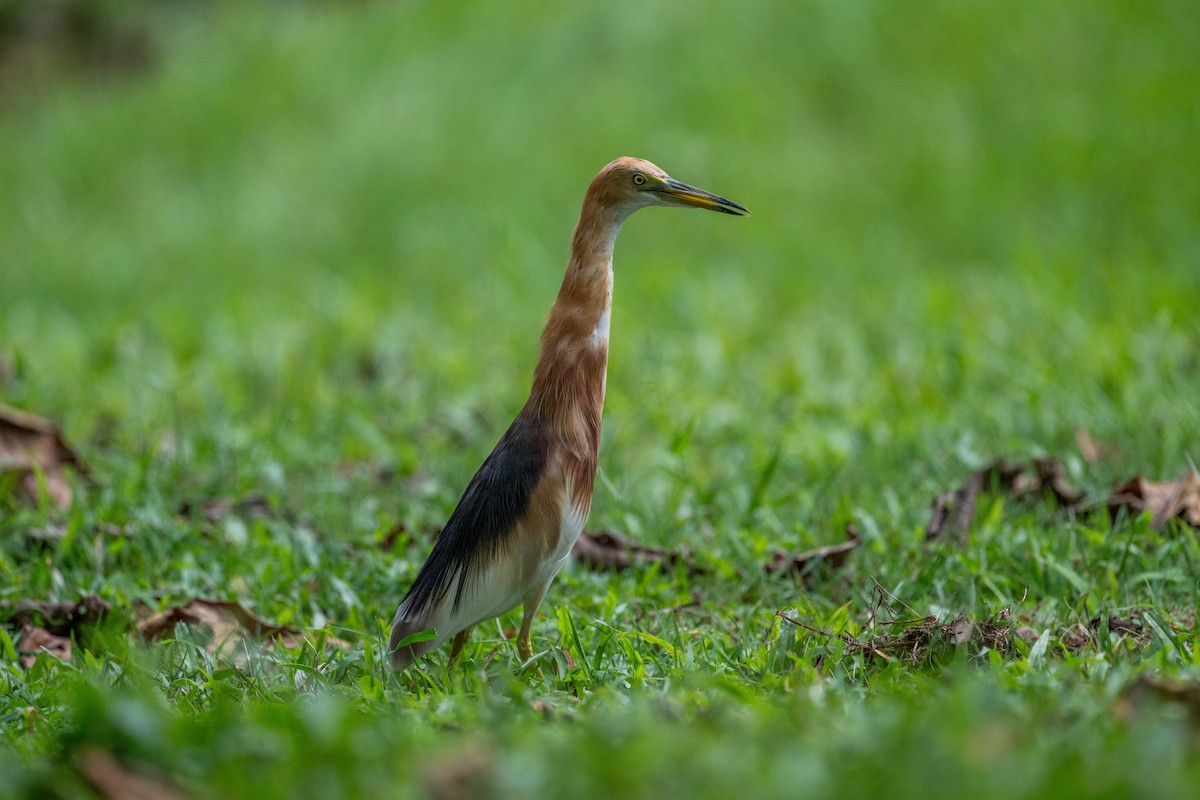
(736, 209)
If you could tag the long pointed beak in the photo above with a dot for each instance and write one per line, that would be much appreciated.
(686, 195)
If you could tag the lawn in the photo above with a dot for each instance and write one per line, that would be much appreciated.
(281, 288)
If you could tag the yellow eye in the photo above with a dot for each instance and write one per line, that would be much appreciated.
(638, 179)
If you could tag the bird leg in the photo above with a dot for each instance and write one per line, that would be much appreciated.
(457, 644)
(532, 601)
(524, 648)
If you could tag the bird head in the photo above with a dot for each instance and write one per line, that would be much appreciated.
(627, 184)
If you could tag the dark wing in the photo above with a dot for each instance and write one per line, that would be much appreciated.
(483, 523)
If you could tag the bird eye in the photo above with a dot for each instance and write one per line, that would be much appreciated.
(638, 179)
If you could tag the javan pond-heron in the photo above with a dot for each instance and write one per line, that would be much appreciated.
(522, 512)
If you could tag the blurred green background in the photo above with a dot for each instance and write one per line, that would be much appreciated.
(305, 249)
(969, 218)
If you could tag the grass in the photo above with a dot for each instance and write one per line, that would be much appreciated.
(307, 255)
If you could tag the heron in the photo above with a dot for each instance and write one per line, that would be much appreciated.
(515, 524)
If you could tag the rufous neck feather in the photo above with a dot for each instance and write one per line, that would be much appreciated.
(569, 382)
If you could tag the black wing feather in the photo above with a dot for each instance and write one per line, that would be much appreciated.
(483, 522)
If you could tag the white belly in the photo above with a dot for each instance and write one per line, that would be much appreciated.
(494, 593)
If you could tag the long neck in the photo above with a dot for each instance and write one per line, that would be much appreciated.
(569, 381)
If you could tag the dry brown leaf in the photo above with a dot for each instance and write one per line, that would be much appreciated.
(35, 641)
(833, 555)
(609, 550)
(1077, 637)
(62, 618)
(1091, 450)
(1131, 628)
(927, 640)
(228, 625)
(459, 774)
(1080, 636)
(1166, 500)
(1026, 634)
(399, 534)
(217, 509)
(960, 630)
(954, 509)
(30, 444)
(382, 474)
(116, 782)
(1146, 689)
(389, 539)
